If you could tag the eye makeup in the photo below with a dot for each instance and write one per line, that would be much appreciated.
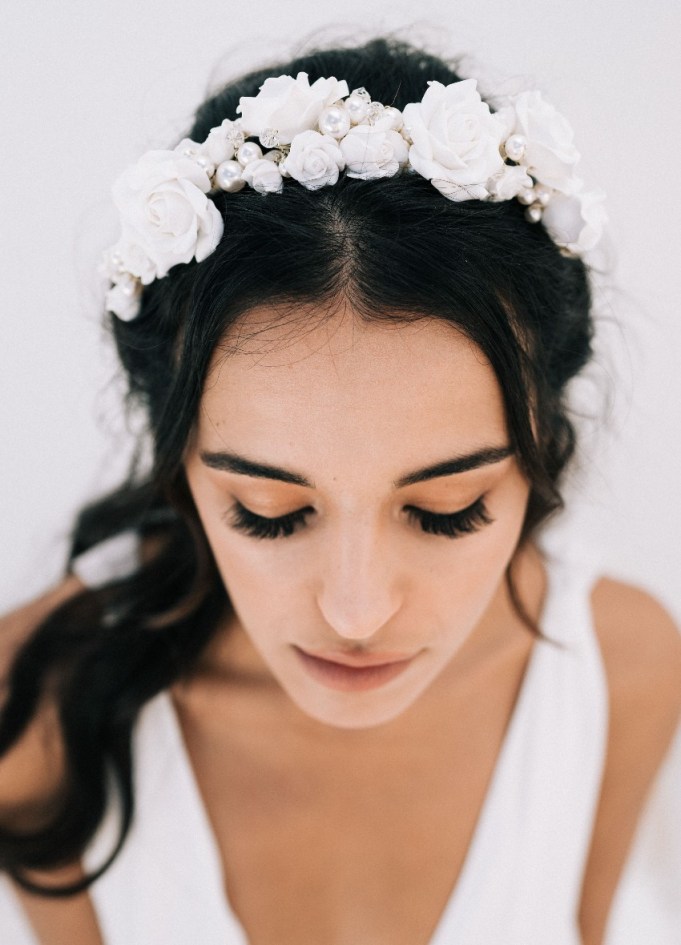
(451, 525)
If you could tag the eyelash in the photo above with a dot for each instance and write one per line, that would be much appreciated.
(454, 525)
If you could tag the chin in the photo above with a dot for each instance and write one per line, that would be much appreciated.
(354, 710)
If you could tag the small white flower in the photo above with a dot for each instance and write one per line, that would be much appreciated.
(508, 182)
(371, 151)
(455, 139)
(550, 156)
(289, 106)
(166, 216)
(123, 302)
(314, 160)
(218, 147)
(111, 265)
(264, 176)
(134, 261)
(576, 221)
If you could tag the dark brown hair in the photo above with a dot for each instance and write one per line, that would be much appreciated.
(393, 249)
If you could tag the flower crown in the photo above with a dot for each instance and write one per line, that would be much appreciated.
(311, 133)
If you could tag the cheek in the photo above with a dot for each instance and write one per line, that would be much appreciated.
(464, 575)
(262, 583)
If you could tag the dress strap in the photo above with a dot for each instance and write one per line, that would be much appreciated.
(166, 885)
(521, 881)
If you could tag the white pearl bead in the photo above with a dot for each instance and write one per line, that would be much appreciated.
(128, 285)
(533, 213)
(542, 194)
(356, 108)
(334, 121)
(205, 164)
(228, 177)
(395, 116)
(249, 151)
(526, 197)
(514, 147)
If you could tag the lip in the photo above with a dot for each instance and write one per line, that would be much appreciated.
(346, 673)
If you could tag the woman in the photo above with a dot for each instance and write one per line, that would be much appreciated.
(310, 678)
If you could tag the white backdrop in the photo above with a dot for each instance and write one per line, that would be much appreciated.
(87, 87)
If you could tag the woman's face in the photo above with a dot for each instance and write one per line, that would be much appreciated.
(356, 486)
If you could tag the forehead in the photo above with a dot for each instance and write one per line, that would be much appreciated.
(289, 387)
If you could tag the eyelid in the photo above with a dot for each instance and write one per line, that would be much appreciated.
(467, 508)
(263, 527)
(465, 521)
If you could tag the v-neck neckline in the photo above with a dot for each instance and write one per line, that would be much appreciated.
(456, 902)
(499, 775)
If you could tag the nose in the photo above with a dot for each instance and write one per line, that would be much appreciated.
(359, 584)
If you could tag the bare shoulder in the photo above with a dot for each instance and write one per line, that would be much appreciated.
(32, 769)
(16, 625)
(31, 775)
(641, 649)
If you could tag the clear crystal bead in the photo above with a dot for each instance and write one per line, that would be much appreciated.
(374, 112)
(362, 93)
(269, 138)
(236, 135)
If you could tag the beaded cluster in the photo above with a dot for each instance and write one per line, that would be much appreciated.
(311, 132)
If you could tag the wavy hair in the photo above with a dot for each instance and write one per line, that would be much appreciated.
(393, 249)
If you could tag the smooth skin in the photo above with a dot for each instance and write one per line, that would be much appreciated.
(345, 817)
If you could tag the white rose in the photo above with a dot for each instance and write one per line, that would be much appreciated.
(165, 213)
(315, 160)
(576, 221)
(455, 138)
(508, 182)
(264, 176)
(550, 155)
(217, 147)
(289, 106)
(374, 150)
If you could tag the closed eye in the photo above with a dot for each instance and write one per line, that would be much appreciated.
(451, 525)
(454, 524)
(259, 526)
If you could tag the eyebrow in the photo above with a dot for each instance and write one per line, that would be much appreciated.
(231, 462)
(459, 464)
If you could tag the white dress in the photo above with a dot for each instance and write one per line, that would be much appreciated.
(520, 884)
